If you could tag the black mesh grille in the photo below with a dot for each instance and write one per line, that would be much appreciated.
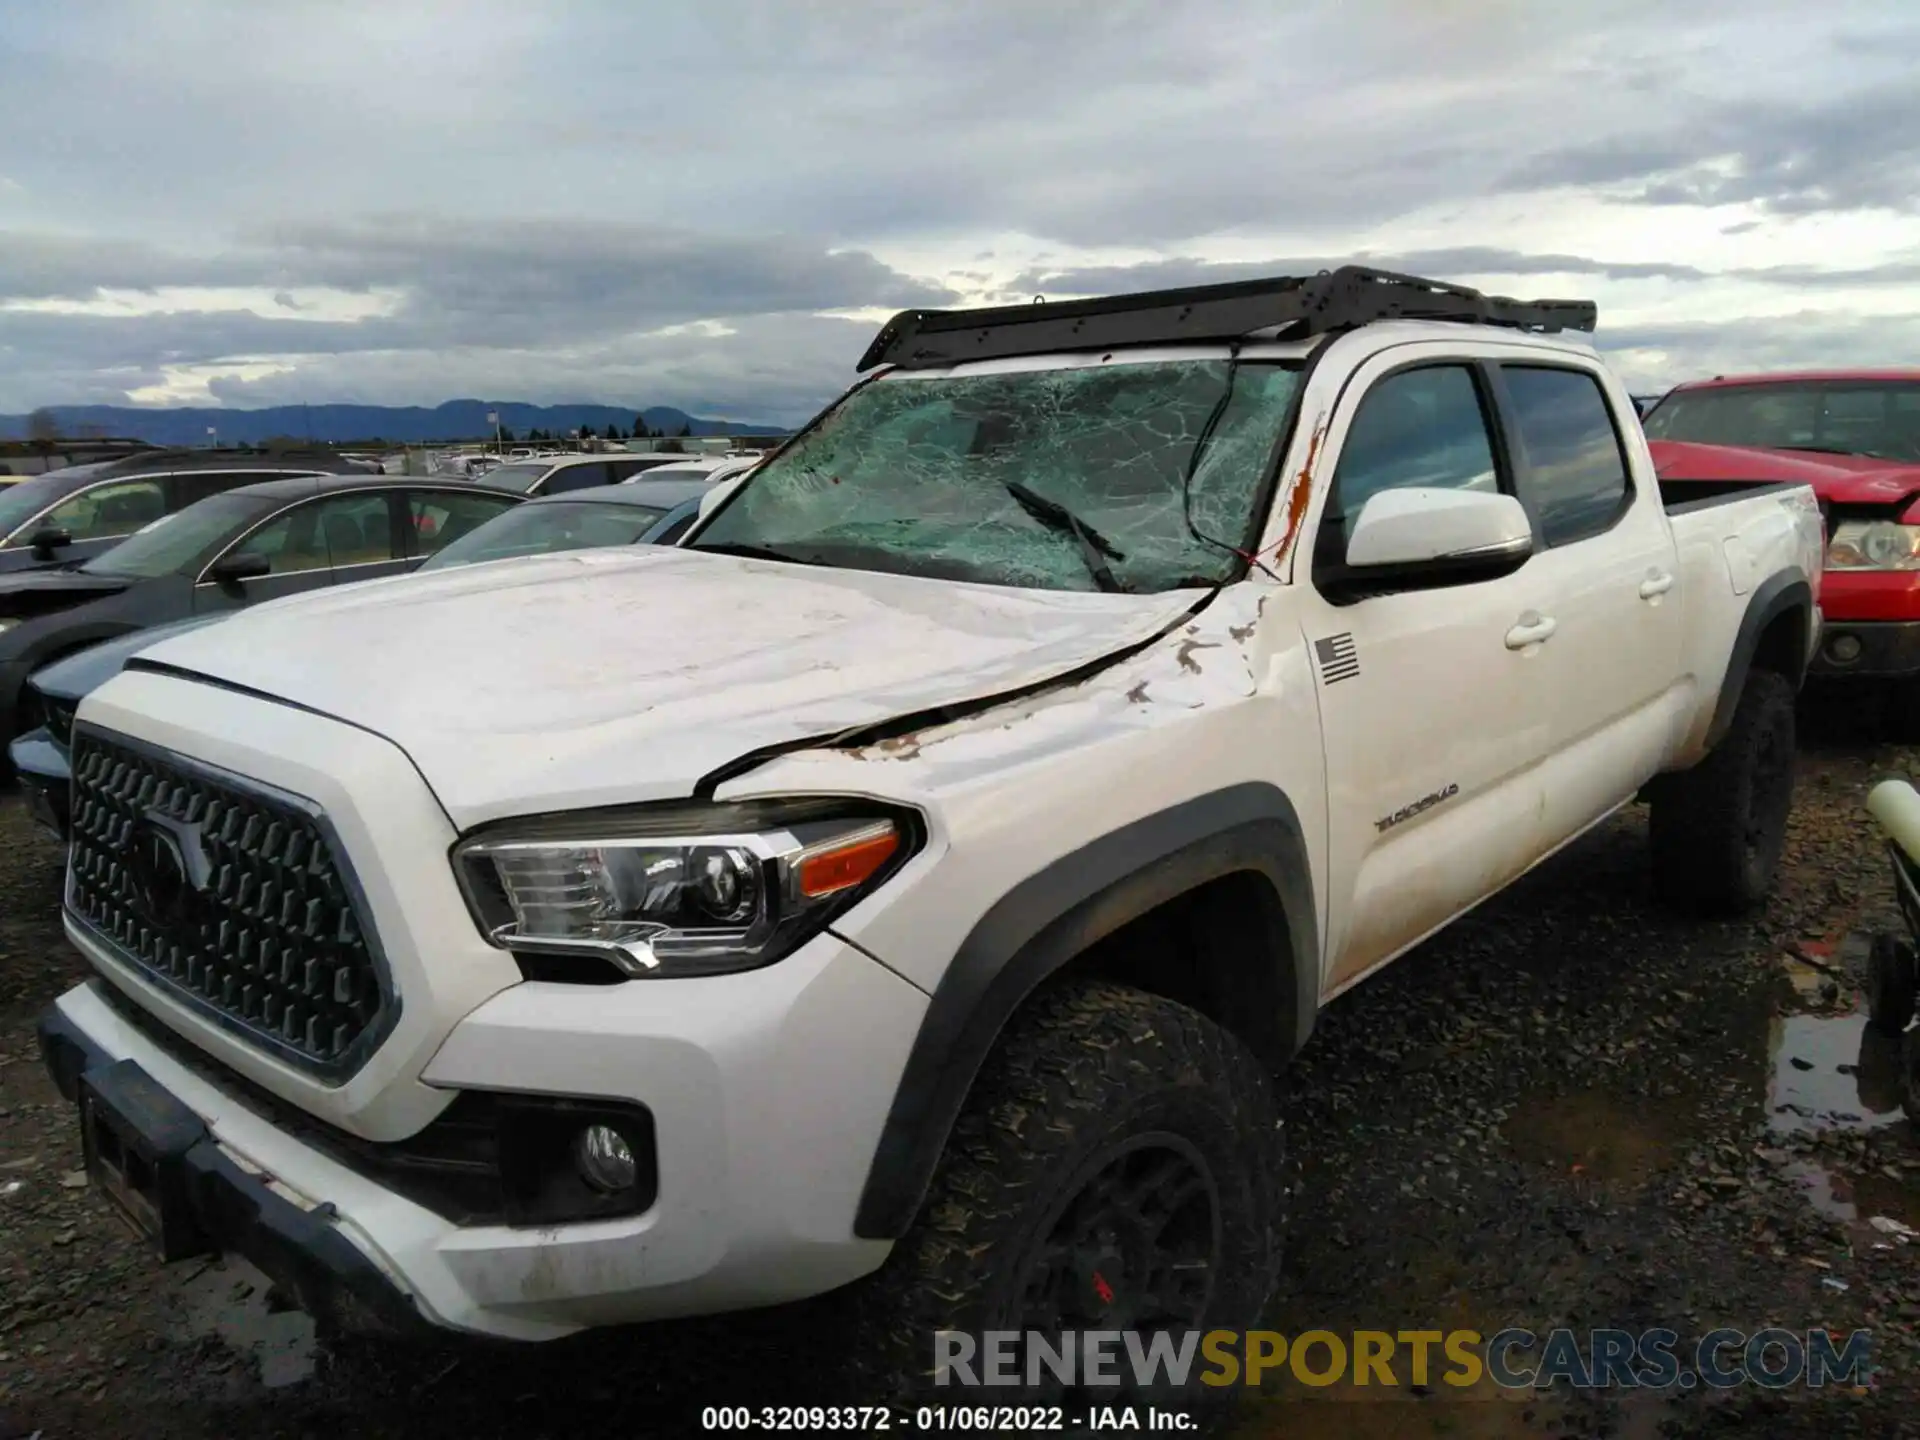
(228, 896)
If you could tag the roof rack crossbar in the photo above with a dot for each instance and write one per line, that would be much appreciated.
(1288, 307)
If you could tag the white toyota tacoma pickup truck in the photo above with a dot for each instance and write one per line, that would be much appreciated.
(913, 882)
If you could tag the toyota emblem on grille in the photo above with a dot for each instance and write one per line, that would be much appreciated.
(169, 869)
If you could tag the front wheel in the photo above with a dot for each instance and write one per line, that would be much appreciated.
(1117, 1167)
(1719, 829)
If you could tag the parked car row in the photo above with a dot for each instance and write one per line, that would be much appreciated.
(262, 542)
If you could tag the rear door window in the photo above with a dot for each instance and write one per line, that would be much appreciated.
(437, 517)
(337, 531)
(1576, 470)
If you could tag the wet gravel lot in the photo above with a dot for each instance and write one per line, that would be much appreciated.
(1572, 1109)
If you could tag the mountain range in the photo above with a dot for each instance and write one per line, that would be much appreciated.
(413, 424)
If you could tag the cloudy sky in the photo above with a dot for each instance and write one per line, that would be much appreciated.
(711, 204)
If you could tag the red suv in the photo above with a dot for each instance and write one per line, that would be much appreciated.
(1854, 435)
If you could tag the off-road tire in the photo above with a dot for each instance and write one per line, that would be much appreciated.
(1719, 828)
(1890, 984)
(1082, 1071)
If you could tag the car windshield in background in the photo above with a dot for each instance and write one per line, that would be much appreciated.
(170, 545)
(547, 527)
(1062, 479)
(1844, 418)
(517, 477)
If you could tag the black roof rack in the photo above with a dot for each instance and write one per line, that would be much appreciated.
(1281, 308)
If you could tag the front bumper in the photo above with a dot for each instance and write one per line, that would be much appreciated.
(1876, 649)
(765, 1120)
(768, 1089)
(235, 1210)
(41, 767)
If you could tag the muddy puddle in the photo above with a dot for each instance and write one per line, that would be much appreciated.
(231, 1300)
(1831, 1076)
(1597, 1136)
(1830, 1071)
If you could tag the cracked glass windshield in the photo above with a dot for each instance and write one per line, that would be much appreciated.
(1136, 477)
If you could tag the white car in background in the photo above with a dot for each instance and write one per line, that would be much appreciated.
(552, 474)
(711, 468)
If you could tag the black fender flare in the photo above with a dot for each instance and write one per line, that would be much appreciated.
(1055, 915)
(1777, 595)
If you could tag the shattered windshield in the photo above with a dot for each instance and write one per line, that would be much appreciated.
(1064, 479)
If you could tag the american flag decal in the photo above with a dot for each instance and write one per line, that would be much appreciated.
(1338, 659)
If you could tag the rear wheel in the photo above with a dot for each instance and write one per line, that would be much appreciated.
(1117, 1167)
(1718, 829)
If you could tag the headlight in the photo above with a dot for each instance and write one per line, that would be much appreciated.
(1874, 545)
(6, 625)
(696, 890)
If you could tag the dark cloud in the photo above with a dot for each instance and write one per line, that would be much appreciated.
(42, 266)
(576, 179)
(1449, 263)
(540, 297)
(1655, 355)
(1815, 150)
(777, 368)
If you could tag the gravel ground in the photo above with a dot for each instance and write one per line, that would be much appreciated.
(1571, 1109)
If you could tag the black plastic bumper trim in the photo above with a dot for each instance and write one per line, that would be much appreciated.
(1887, 648)
(235, 1212)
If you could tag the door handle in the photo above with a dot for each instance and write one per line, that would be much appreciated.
(1532, 629)
(1655, 585)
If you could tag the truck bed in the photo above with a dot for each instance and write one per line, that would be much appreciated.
(1681, 497)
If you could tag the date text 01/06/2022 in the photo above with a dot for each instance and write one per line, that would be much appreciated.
(989, 1419)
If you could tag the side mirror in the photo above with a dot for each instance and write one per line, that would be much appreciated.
(1417, 537)
(245, 565)
(46, 541)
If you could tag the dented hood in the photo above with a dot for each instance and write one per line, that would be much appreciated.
(610, 676)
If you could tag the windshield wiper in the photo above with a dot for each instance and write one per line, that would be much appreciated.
(754, 552)
(1095, 548)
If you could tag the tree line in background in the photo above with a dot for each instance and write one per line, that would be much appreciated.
(640, 431)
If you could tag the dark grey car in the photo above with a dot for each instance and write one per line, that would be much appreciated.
(255, 543)
(643, 511)
(73, 514)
